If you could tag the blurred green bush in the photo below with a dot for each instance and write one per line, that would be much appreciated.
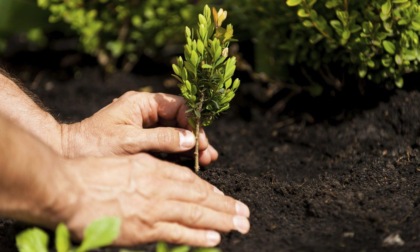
(118, 31)
(374, 40)
(22, 17)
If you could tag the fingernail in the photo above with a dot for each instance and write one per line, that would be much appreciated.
(216, 190)
(241, 224)
(242, 209)
(213, 238)
(186, 139)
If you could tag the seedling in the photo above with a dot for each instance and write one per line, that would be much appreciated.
(205, 73)
(99, 233)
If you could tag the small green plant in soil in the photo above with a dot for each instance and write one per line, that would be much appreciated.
(205, 73)
(99, 233)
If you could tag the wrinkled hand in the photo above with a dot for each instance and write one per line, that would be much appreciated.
(155, 200)
(134, 123)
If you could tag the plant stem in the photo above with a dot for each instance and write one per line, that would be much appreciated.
(197, 133)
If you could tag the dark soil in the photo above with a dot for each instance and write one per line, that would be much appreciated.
(343, 183)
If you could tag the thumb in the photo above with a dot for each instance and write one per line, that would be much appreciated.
(166, 139)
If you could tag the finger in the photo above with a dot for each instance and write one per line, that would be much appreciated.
(176, 172)
(208, 156)
(205, 157)
(134, 233)
(163, 169)
(213, 153)
(178, 234)
(200, 217)
(171, 107)
(162, 139)
(203, 140)
(194, 191)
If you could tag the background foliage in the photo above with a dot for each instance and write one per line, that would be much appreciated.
(311, 43)
(122, 29)
(372, 40)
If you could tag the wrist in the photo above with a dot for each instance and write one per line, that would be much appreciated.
(33, 183)
(71, 140)
(58, 201)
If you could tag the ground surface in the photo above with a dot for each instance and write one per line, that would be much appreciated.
(343, 183)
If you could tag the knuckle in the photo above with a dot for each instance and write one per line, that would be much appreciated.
(175, 235)
(147, 187)
(201, 194)
(186, 174)
(195, 214)
(165, 137)
(129, 94)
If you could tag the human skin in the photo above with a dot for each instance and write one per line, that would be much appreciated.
(135, 122)
(155, 200)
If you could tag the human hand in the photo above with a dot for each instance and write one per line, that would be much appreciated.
(155, 200)
(134, 123)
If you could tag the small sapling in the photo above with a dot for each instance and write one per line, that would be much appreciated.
(99, 233)
(205, 73)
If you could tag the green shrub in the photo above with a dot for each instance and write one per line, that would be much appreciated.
(374, 40)
(22, 18)
(122, 29)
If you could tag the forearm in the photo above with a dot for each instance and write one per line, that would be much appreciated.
(19, 108)
(30, 178)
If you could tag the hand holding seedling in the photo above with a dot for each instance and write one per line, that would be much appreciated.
(205, 73)
(135, 122)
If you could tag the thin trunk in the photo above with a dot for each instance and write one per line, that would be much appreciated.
(197, 146)
(197, 134)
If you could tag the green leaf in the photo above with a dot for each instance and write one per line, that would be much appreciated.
(332, 4)
(32, 240)
(398, 59)
(176, 69)
(200, 47)
(302, 13)
(343, 16)
(315, 38)
(415, 25)
(389, 46)
(236, 84)
(338, 27)
(293, 2)
(187, 32)
(181, 249)
(99, 233)
(386, 8)
(188, 85)
(206, 66)
(399, 82)
(207, 250)
(386, 62)
(194, 58)
(202, 19)
(307, 23)
(362, 72)
(228, 83)
(346, 34)
(62, 238)
(161, 246)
